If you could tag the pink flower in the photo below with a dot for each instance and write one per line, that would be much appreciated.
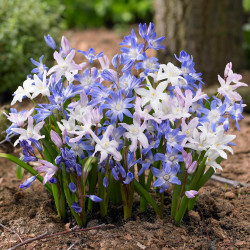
(47, 167)
(191, 194)
(67, 67)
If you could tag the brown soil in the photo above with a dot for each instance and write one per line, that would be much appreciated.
(220, 219)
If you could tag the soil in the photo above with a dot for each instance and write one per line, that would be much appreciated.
(220, 219)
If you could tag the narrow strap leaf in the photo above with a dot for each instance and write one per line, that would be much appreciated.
(26, 167)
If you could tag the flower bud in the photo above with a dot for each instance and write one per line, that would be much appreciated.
(27, 183)
(65, 46)
(50, 41)
(76, 208)
(227, 69)
(191, 194)
(105, 182)
(96, 116)
(95, 198)
(72, 187)
(129, 178)
(191, 169)
(56, 138)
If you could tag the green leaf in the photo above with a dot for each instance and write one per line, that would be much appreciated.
(26, 167)
(19, 172)
(88, 165)
(142, 192)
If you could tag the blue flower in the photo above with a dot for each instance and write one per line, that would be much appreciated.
(165, 176)
(90, 55)
(105, 182)
(40, 66)
(150, 36)
(173, 158)
(150, 65)
(79, 147)
(69, 159)
(108, 76)
(127, 39)
(28, 151)
(50, 41)
(98, 94)
(27, 183)
(188, 70)
(129, 82)
(95, 198)
(44, 111)
(215, 115)
(174, 139)
(129, 178)
(117, 106)
(72, 187)
(88, 80)
(236, 113)
(130, 159)
(133, 53)
(76, 208)
(147, 162)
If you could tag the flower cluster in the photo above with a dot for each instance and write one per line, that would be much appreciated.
(130, 125)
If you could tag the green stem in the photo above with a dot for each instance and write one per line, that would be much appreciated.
(184, 201)
(81, 199)
(143, 202)
(177, 191)
(56, 198)
(92, 184)
(68, 196)
(182, 191)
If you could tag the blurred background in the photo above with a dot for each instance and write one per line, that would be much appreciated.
(214, 32)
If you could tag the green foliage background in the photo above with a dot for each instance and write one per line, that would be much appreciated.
(96, 13)
(22, 27)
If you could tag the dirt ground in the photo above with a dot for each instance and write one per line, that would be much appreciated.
(220, 219)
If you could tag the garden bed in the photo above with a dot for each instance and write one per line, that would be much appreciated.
(219, 219)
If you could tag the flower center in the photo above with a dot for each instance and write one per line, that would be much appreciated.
(166, 177)
(118, 107)
(134, 130)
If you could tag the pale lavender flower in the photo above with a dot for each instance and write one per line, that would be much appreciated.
(191, 194)
(56, 138)
(66, 67)
(30, 132)
(106, 146)
(47, 167)
(135, 133)
(65, 46)
(19, 117)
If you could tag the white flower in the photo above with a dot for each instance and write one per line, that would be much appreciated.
(219, 143)
(21, 92)
(68, 125)
(40, 87)
(152, 95)
(81, 130)
(211, 160)
(188, 130)
(30, 132)
(106, 146)
(135, 133)
(172, 73)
